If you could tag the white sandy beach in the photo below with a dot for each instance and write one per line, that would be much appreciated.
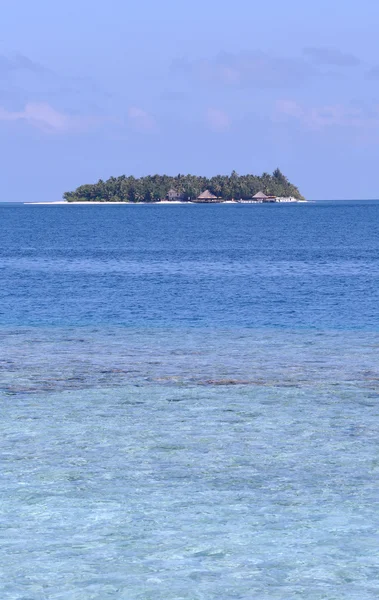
(124, 203)
(60, 202)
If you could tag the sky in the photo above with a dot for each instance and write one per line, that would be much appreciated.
(91, 89)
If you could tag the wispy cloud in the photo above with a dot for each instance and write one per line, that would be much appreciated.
(44, 117)
(262, 70)
(331, 57)
(28, 82)
(247, 69)
(319, 118)
(19, 62)
(217, 120)
(373, 73)
(141, 120)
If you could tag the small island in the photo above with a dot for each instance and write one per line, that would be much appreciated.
(189, 188)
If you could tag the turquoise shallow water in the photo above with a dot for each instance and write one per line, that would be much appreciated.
(189, 402)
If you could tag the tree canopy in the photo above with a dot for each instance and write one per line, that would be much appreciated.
(156, 187)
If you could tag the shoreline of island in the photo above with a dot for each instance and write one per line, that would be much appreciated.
(163, 203)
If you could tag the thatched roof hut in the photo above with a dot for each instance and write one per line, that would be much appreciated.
(206, 196)
(260, 196)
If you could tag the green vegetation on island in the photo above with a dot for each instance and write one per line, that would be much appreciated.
(155, 188)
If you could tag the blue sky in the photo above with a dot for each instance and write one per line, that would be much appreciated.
(90, 89)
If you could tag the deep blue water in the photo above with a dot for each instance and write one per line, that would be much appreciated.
(189, 402)
(288, 266)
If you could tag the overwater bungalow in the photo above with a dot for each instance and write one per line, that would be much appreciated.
(206, 197)
(259, 197)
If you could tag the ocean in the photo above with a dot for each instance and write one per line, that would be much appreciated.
(189, 402)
